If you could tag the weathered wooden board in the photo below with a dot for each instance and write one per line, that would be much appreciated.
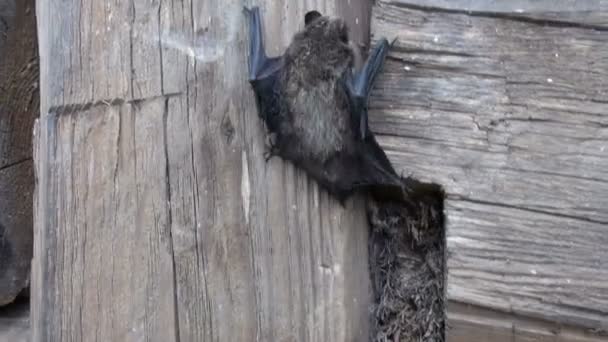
(7, 16)
(510, 113)
(585, 13)
(156, 216)
(469, 323)
(18, 109)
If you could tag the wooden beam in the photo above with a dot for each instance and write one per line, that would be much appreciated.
(472, 323)
(508, 112)
(18, 108)
(156, 216)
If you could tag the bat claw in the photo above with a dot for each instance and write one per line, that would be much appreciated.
(268, 155)
(271, 149)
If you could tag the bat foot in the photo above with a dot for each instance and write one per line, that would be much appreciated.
(270, 146)
(268, 154)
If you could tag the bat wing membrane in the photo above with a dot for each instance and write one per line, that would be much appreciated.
(263, 72)
(360, 85)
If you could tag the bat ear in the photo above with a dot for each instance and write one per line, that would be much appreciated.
(310, 16)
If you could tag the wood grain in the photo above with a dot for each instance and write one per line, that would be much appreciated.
(509, 114)
(156, 216)
(471, 323)
(18, 109)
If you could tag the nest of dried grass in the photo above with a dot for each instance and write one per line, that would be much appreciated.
(407, 263)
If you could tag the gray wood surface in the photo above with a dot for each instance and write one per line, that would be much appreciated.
(469, 323)
(510, 115)
(575, 13)
(156, 217)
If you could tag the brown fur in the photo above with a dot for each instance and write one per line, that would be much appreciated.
(315, 61)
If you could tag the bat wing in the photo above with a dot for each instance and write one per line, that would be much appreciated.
(263, 72)
(359, 86)
(376, 172)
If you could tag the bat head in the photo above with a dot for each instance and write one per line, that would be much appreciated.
(310, 16)
(321, 49)
(325, 28)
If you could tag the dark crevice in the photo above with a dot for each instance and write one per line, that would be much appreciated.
(464, 70)
(18, 162)
(556, 174)
(520, 17)
(585, 123)
(408, 266)
(70, 108)
(398, 48)
(160, 48)
(599, 101)
(170, 219)
(131, 59)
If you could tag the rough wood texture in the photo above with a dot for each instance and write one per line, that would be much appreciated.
(508, 111)
(18, 109)
(7, 16)
(469, 323)
(156, 216)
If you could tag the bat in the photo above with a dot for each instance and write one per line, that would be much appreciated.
(314, 104)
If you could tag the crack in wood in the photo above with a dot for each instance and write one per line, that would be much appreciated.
(499, 15)
(458, 197)
(16, 163)
(64, 109)
(170, 217)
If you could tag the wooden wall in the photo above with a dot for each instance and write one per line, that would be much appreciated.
(506, 106)
(156, 216)
(18, 108)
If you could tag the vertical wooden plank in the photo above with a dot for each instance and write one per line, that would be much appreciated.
(156, 215)
(103, 261)
(106, 237)
(18, 109)
(255, 242)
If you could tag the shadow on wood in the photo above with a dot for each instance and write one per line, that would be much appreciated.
(18, 109)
